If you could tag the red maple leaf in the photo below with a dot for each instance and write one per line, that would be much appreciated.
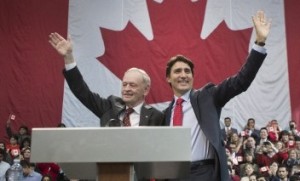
(176, 27)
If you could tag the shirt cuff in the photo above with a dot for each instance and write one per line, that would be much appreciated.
(70, 66)
(260, 49)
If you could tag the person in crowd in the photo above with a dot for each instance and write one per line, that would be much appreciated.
(283, 173)
(232, 173)
(4, 166)
(263, 136)
(297, 145)
(292, 159)
(253, 177)
(295, 171)
(200, 109)
(13, 148)
(51, 169)
(285, 139)
(7, 158)
(272, 171)
(130, 108)
(261, 177)
(248, 159)
(251, 130)
(28, 173)
(248, 170)
(273, 130)
(293, 128)
(249, 145)
(26, 154)
(23, 129)
(282, 152)
(235, 144)
(228, 129)
(266, 154)
(26, 142)
(46, 178)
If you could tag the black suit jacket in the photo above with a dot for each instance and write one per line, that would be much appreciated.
(110, 108)
(207, 103)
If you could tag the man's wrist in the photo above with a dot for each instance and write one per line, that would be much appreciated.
(260, 43)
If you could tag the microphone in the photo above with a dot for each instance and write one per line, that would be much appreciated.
(114, 123)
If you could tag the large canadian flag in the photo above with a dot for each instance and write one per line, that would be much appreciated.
(111, 36)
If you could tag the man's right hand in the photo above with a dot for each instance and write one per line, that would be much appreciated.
(62, 46)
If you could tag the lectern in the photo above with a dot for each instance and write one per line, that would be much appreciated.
(107, 153)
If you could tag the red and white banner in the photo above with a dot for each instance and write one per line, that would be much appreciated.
(111, 36)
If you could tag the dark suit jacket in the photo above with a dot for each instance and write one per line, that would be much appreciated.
(207, 103)
(110, 108)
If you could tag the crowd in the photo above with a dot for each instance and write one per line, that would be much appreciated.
(256, 154)
(18, 147)
(262, 154)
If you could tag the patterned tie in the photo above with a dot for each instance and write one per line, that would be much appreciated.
(126, 119)
(177, 116)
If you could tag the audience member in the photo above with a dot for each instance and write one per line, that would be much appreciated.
(283, 173)
(266, 154)
(22, 133)
(273, 130)
(7, 158)
(46, 178)
(28, 173)
(250, 129)
(13, 148)
(228, 129)
(4, 166)
(293, 128)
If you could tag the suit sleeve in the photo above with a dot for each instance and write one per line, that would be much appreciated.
(92, 101)
(240, 82)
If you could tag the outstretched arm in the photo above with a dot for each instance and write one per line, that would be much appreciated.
(262, 26)
(62, 46)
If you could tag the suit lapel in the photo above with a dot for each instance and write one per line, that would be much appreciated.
(194, 104)
(168, 113)
(146, 112)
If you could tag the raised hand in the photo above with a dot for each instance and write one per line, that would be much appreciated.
(262, 26)
(62, 46)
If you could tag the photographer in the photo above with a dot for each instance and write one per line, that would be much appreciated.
(293, 128)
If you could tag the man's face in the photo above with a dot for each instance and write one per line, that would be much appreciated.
(22, 131)
(251, 123)
(181, 78)
(134, 89)
(227, 122)
(285, 138)
(252, 178)
(26, 171)
(263, 134)
(282, 173)
(250, 142)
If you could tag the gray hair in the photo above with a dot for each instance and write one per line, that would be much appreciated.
(145, 76)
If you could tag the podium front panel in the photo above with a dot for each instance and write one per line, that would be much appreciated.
(111, 144)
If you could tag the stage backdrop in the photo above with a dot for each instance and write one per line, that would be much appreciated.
(112, 36)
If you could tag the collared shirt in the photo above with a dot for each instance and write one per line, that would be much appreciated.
(32, 176)
(4, 166)
(200, 147)
(135, 116)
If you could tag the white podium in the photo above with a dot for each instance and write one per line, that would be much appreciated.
(107, 153)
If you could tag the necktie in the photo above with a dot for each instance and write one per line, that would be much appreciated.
(178, 115)
(126, 119)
